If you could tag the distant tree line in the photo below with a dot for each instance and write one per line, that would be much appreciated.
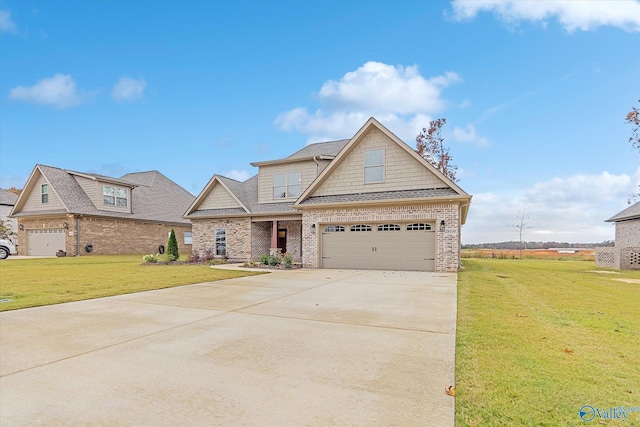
(537, 245)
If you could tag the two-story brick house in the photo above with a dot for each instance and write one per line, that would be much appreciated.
(83, 213)
(368, 202)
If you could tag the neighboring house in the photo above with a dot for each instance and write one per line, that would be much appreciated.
(625, 255)
(7, 202)
(368, 202)
(84, 213)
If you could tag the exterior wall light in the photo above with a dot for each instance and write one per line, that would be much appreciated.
(313, 228)
(442, 225)
(20, 226)
(65, 225)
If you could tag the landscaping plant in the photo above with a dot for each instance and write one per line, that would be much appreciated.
(172, 247)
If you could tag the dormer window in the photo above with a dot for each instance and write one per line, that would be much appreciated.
(45, 193)
(113, 196)
(374, 166)
(287, 185)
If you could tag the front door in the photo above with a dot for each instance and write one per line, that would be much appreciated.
(282, 240)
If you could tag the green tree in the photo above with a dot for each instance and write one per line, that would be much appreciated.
(172, 246)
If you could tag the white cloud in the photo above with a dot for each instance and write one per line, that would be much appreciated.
(59, 91)
(574, 15)
(6, 23)
(128, 89)
(468, 134)
(569, 209)
(238, 175)
(397, 96)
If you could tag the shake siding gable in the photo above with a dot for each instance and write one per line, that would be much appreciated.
(309, 170)
(219, 198)
(401, 170)
(34, 201)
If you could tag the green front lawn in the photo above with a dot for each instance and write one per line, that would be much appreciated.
(44, 281)
(537, 340)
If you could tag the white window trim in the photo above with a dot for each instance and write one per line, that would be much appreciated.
(215, 242)
(365, 166)
(286, 185)
(115, 196)
(44, 193)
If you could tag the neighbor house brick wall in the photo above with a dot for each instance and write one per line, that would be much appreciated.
(628, 233)
(447, 242)
(238, 237)
(109, 236)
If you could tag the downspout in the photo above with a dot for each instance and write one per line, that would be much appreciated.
(317, 166)
(77, 235)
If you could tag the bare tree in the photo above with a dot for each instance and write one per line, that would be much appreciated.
(633, 118)
(430, 146)
(521, 225)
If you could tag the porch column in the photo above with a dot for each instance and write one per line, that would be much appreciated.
(274, 238)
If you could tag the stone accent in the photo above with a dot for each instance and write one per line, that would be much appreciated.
(108, 236)
(447, 241)
(238, 237)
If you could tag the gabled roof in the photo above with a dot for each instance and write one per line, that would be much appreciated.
(246, 193)
(454, 192)
(7, 198)
(632, 212)
(154, 197)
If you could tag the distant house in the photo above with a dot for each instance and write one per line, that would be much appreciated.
(625, 255)
(369, 202)
(7, 202)
(84, 213)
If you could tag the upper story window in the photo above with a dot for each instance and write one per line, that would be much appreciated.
(113, 196)
(287, 185)
(374, 166)
(45, 193)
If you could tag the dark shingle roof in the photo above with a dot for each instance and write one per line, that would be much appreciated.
(382, 195)
(154, 196)
(7, 198)
(330, 148)
(632, 212)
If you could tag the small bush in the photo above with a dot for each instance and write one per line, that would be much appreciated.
(151, 258)
(273, 260)
(194, 257)
(287, 260)
(208, 255)
(264, 259)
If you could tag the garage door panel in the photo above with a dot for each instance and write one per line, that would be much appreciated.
(384, 248)
(45, 242)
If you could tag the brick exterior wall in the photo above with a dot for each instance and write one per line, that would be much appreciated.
(628, 233)
(261, 238)
(238, 237)
(447, 242)
(109, 236)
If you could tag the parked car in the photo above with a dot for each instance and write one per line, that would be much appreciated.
(6, 248)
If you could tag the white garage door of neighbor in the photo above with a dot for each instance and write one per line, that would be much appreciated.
(379, 246)
(45, 242)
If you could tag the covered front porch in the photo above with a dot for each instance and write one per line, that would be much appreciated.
(282, 234)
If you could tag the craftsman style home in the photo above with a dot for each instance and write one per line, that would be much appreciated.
(369, 202)
(625, 255)
(74, 213)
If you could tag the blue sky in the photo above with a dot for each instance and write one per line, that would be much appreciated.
(534, 93)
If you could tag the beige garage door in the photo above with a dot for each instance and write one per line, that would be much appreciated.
(387, 246)
(45, 242)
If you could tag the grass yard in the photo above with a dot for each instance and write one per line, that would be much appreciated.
(539, 339)
(44, 281)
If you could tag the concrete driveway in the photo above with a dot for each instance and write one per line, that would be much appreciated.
(302, 347)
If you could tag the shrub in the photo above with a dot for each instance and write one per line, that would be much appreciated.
(194, 257)
(264, 259)
(172, 247)
(273, 260)
(287, 260)
(208, 255)
(150, 258)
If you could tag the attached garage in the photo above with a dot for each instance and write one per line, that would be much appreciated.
(45, 242)
(379, 246)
